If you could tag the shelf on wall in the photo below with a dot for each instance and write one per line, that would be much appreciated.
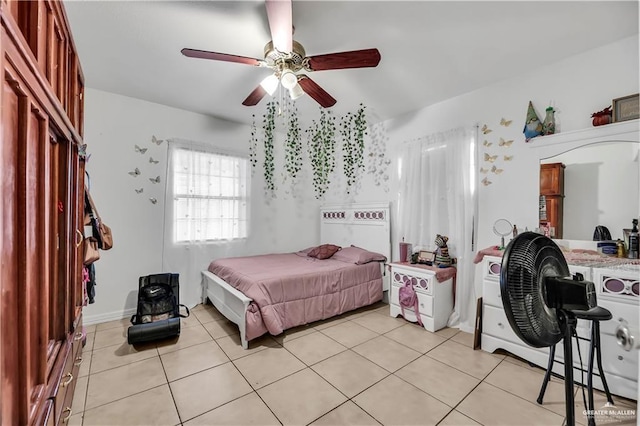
(623, 131)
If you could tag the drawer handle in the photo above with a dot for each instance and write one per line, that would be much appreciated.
(78, 361)
(620, 357)
(70, 378)
(500, 325)
(78, 336)
(68, 416)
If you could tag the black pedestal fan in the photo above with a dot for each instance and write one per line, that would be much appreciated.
(541, 300)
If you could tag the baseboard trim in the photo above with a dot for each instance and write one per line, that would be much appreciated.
(109, 316)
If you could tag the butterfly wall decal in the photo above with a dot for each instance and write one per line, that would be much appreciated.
(135, 173)
(153, 200)
(139, 191)
(483, 170)
(505, 143)
(486, 182)
(155, 179)
(140, 150)
(508, 157)
(490, 158)
(505, 123)
(496, 170)
(156, 141)
(487, 143)
(486, 130)
(152, 161)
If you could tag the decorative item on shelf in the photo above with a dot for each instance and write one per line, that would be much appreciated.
(549, 124)
(603, 117)
(443, 259)
(405, 251)
(532, 125)
(626, 108)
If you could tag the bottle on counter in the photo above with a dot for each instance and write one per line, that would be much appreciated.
(621, 251)
(515, 231)
(633, 241)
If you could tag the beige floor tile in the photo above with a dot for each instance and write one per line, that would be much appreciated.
(524, 364)
(267, 366)
(75, 420)
(190, 321)
(464, 338)
(476, 363)
(88, 346)
(293, 333)
(349, 333)
(178, 364)
(393, 401)
(350, 373)
(438, 380)
(346, 414)
(110, 385)
(387, 353)
(365, 310)
(526, 383)
(90, 328)
(208, 314)
(247, 410)
(86, 364)
(313, 348)
(209, 389)
(151, 407)
(329, 322)
(188, 337)
(379, 323)
(383, 310)
(80, 394)
(221, 328)
(110, 337)
(301, 397)
(455, 418)
(415, 337)
(121, 323)
(447, 332)
(492, 406)
(116, 356)
(233, 348)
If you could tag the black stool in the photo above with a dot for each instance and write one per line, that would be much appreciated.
(594, 315)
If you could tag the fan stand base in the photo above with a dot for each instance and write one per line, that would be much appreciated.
(568, 325)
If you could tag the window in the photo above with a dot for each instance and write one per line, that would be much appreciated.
(210, 195)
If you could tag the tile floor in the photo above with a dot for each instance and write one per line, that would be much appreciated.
(361, 368)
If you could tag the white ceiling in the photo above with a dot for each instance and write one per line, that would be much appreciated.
(430, 50)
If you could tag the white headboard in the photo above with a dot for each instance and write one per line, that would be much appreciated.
(363, 225)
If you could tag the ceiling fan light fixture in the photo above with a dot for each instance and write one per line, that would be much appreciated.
(270, 84)
(295, 92)
(288, 79)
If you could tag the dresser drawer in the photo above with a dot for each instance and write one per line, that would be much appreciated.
(495, 323)
(491, 293)
(616, 360)
(492, 267)
(620, 311)
(425, 302)
(423, 280)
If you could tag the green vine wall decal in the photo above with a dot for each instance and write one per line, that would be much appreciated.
(353, 130)
(321, 146)
(293, 145)
(253, 146)
(268, 126)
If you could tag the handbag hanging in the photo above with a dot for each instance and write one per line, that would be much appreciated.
(91, 252)
(100, 230)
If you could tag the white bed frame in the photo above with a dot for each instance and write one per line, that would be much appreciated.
(363, 225)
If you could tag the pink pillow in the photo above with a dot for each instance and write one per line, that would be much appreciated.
(358, 255)
(324, 251)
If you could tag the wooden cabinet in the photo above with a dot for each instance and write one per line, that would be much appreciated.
(40, 221)
(552, 196)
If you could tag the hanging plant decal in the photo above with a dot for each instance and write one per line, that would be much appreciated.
(253, 146)
(321, 145)
(293, 146)
(268, 125)
(378, 164)
(354, 129)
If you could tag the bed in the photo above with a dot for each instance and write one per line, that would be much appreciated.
(259, 297)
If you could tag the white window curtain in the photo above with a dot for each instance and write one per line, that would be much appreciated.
(437, 196)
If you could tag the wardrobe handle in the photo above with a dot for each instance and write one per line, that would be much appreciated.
(70, 378)
(78, 361)
(68, 416)
(79, 234)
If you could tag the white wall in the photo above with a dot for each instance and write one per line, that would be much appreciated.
(114, 125)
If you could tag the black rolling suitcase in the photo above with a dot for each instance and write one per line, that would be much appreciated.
(158, 312)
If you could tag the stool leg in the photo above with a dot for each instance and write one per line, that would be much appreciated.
(547, 376)
(592, 350)
(599, 359)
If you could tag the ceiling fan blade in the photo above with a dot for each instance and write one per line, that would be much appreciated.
(255, 96)
(353, 59)
(281, 24)
(203, 54)
(312, 89)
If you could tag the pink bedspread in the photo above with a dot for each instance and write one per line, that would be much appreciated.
(290, 289)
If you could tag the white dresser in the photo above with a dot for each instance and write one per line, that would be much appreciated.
(621, 367)
(435, 299)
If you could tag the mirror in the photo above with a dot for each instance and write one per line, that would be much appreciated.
(601, 187)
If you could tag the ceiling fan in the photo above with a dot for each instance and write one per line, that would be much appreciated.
(286, 57)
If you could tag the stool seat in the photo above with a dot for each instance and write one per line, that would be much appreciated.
(594, 314)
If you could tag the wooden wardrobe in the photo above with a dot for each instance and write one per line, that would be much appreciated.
(42, 184)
